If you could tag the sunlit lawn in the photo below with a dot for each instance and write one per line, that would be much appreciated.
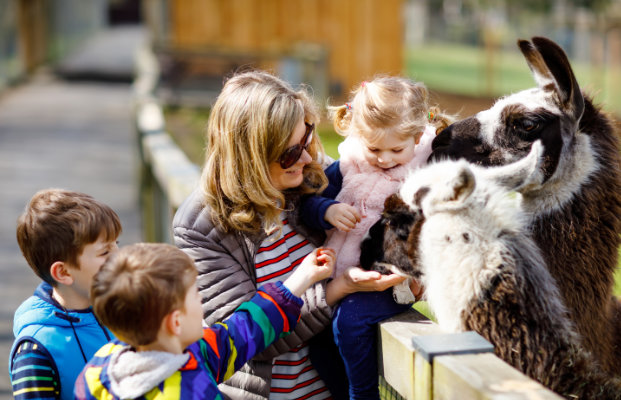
(330, 140)
(462, 70)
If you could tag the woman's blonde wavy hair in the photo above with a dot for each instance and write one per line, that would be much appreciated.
(387, 105)
(249, 127)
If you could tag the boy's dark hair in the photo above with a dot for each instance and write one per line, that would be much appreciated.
(138, 286)
(56, 226)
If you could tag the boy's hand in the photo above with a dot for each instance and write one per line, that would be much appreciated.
(326, 258)
(342, 216)
(315, 267)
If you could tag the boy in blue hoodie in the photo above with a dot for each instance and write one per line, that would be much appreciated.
(65, 237)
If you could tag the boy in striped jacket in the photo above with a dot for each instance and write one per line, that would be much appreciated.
(147, 295)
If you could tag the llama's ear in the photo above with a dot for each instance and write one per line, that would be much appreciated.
(537, 64)
(450, 191)
(462, 184)
(524, 173)
(552, 71)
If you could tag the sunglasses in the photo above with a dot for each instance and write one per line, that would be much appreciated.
(293, 153)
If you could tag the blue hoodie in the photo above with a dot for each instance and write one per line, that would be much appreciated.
(71, 337)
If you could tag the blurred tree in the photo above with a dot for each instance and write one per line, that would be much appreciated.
(593, 5)
(545, 6)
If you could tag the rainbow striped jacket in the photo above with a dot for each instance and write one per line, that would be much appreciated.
(225, 347)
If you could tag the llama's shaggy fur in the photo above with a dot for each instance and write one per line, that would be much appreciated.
(463, 236)
(575, 213)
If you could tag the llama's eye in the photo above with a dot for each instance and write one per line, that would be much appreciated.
(529, 125)
(524, 124)
(526, 128)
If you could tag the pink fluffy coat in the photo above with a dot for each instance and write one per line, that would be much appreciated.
(366, 187)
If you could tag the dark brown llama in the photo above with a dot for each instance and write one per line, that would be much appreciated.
(576, 211)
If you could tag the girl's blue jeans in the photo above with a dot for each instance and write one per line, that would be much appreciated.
(355, 333)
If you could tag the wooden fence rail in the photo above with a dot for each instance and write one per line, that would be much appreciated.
(417, 359)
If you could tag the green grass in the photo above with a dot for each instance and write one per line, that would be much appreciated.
(186, 125)
(463, 70)
(330, 140)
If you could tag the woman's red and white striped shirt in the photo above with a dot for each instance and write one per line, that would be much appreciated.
(293, 376)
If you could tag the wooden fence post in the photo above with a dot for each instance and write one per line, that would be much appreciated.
(428, 347)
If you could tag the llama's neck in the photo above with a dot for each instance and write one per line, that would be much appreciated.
(586, 214)
(456, 275)
(567, 182)
(457, 279)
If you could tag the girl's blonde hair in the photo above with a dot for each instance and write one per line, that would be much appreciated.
(249, 127)
(388, 104)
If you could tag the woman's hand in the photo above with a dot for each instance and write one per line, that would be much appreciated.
(360, 280)
(417, 289)
(356, 279)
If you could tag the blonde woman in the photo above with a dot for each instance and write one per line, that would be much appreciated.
(242, 226)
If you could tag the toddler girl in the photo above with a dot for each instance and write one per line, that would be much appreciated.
(389, 126)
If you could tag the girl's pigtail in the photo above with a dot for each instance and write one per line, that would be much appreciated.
(439, 119)
(341, 117)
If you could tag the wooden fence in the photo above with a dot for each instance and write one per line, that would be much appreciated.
(361, 37)
(417, 360)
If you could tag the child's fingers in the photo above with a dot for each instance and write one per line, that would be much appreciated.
(342, 225)
(328, 250)
(326, 255)
(349, 219)
(351, 214)
(356, 215)
(325, 262)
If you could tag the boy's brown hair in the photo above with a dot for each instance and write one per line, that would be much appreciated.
(56, 226)
(138, 286)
